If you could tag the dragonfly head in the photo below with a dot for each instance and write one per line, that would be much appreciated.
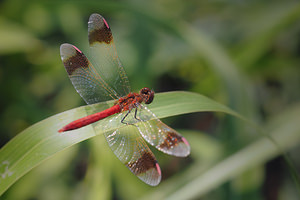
(147, 95)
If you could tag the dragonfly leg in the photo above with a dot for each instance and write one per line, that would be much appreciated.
(130, 123)
(122, 121)
(136, 117)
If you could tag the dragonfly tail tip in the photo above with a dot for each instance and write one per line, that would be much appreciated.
(61, 130)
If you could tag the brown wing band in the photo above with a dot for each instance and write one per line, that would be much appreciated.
(143, 164)
(79, 60)
(171, 140)
(101, 32)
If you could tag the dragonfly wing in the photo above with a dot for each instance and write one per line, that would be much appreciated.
(128, 145)
(103, 52)
(161, 136)
(86, 79)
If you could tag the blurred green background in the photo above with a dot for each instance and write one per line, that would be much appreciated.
(244, 54)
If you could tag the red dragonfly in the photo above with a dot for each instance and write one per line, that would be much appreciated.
(104, 80)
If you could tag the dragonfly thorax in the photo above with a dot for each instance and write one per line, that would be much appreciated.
(132, 100)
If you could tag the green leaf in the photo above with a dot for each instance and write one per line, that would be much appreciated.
(42, 140)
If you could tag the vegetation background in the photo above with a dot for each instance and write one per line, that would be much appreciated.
(243, 54)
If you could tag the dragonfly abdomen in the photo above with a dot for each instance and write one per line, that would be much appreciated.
(84, 121)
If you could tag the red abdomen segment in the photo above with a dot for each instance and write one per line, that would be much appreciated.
(91, 118)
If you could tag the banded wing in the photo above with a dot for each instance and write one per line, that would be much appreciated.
(105, 78)
(84, 76)
(103, 52)
(161, 136)
(131, 149)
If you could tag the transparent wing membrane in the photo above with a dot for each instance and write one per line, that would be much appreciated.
(161, 136)
(105, 78)
(84, 76)
(103, 52)
(128, 145)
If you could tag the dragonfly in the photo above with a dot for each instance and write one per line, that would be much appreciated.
(105, 79)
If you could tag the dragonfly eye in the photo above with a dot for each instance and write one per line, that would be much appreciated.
(147, 95)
